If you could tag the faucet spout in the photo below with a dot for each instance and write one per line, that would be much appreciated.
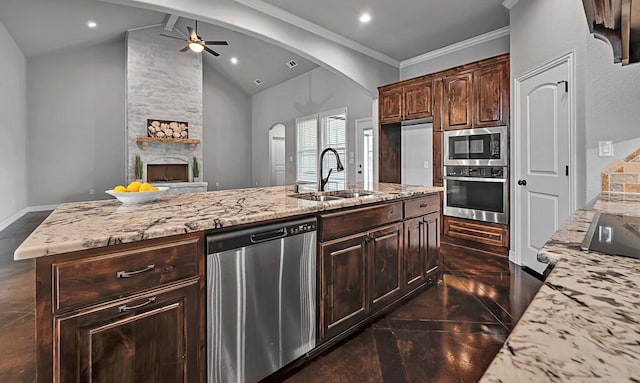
(339, 167)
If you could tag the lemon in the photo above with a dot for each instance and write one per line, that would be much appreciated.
(133, 187)
(145, 187)
(120, 189)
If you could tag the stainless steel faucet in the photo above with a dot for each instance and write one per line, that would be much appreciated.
(339, 167)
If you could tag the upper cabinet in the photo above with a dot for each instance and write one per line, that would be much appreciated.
(418, 100)
(390, 105)
(491, 95)
(458, 101)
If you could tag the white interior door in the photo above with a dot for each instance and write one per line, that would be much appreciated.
(277, 155)
(364, 151)
(543, 155)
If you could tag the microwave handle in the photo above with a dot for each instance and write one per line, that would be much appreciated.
(502, 180)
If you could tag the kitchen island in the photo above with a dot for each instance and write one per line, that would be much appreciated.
(110, 277)
(584, 323)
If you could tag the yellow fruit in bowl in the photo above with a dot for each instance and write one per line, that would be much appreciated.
(120, 189)
(145, 187)
(134, 187)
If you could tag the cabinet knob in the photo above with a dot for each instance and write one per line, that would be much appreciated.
(423, 205)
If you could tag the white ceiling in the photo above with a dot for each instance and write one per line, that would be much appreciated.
(256, 59)
(43, 26)
(402, 29)
(46, 26)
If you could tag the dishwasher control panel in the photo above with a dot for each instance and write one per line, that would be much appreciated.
(302, 228)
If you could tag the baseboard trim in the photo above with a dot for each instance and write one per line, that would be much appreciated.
(29, 209)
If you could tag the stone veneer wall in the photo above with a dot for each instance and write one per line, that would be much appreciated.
(162, 84)
(623, 176)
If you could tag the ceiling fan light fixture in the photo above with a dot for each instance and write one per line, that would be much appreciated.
(196, 47)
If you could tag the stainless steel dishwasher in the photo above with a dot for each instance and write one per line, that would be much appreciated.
(261, 303)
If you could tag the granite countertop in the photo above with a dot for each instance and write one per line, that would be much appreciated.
(87, 225)
(584, 323)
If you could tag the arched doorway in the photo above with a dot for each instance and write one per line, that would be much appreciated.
(277, 155)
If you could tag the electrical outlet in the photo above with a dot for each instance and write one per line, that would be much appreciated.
(92, 191)
(426, 164)
(291, 159)
(605, 148)
(217, 184)
(256, 183)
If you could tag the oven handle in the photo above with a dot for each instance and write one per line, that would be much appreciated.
(502, 180)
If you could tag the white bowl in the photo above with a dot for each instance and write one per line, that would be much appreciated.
(138, 197)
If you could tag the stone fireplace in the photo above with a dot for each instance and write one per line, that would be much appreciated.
(164, 85)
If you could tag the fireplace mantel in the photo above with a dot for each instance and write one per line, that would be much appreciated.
(143, 142)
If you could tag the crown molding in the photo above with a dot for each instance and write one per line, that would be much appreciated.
(456, 47)
(308, 26)
(509, 4)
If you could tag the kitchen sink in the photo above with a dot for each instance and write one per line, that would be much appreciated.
(332, 195)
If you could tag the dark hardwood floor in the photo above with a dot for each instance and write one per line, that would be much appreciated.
(447, 333)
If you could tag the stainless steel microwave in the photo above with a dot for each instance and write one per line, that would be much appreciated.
(476, 147)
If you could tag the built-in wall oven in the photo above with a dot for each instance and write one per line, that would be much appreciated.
(476, 147)
(476, 192)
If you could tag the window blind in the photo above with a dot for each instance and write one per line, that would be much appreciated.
(307, 149)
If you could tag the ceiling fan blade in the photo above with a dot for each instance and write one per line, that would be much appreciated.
(192, 33)
(212, 51)
(184, 49)
(216, 43)
(172, 37)
(181, 33)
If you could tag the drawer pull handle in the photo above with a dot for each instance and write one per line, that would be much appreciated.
(424, 205)
(127, 274)
(125, 308)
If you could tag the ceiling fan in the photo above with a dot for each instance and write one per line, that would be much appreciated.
(195, 42)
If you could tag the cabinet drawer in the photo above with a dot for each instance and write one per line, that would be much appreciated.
(83, 281)
(357, 220)
(489, 234)
(421, 206)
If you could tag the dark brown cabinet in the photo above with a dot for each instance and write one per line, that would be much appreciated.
(491, 95)
(458, 101)
(147, 338)
(438, 168)
(418, 100)
(438, 95)
(127, 313)
(390, 106)
(344, 280)
(385, 253)
(421, 249)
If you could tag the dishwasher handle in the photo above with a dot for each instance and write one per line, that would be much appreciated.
(268, 235)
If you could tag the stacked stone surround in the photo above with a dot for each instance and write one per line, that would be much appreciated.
(621, 180)
(162, 84)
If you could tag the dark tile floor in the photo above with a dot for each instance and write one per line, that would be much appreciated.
(448, 333)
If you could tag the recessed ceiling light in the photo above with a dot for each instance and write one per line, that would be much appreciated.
(234, 60)
(364, 18)
(92, 24)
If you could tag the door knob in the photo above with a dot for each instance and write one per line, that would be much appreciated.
(522, 182)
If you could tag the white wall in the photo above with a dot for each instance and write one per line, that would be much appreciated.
(76, 118)
(613, 99)
(13, 160)
(315, 91)
(467, 55)
(417, 150)
(227, 132)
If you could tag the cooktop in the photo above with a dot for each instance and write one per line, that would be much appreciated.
(614, 234)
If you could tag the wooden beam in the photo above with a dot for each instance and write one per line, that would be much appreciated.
(170, 22)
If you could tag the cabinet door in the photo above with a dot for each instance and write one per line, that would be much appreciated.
(413, 253)
(385, 247)
(344, 284)
(491, 93)
(438, 95)
(418, 100)
(437, 159)
(458, 100)
(431, 227)
(390, 105)
(147, 338)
